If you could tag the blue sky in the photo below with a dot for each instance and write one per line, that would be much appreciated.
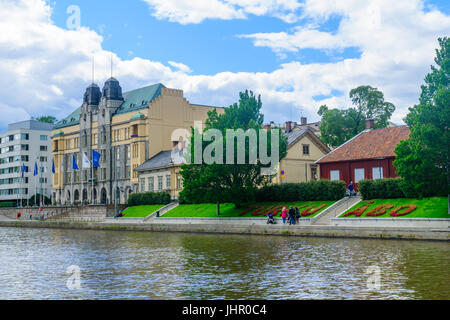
(298, 54)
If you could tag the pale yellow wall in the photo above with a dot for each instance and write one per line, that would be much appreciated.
(294, 162)
(168, 112)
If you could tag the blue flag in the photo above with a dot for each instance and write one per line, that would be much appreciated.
(53, 166)
(23, 169)
(35, 172)
(74, 163)
(95, 158)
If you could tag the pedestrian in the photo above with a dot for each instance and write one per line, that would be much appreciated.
(291, 215)
(31, 216)
(284, 215)
(297, 215)
(19, 214)
(350, 188)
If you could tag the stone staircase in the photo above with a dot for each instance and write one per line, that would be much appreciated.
(341, 206)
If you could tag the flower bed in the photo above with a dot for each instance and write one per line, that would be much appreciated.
(435, 207)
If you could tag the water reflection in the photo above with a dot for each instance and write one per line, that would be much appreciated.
(137, 265)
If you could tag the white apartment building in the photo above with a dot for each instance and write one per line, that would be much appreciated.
(25, 143)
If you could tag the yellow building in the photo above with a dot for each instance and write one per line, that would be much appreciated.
(126, 130)
(303, 149)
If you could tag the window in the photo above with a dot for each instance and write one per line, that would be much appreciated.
(118, 154)
(167, 182)
(151, 181)
(95, 138)
(359, 174)
(43, 138)
(377, 173)
(178, 182)
(43, 159)
(25, 136)
(306, 149)
(160, 183)
(142, 180)
(334, 175)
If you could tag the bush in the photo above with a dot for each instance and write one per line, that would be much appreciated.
(147, 198)
(383, 189)
(305, 191)
(8, 204)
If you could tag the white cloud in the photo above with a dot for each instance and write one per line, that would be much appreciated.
(188, 11)
(180, 66)
(45, 69)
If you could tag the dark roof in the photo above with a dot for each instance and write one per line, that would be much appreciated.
(133, 100)
(293, 135)
(369, 144)
(163, 159)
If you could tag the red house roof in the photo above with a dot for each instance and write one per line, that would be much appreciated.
(373, 144)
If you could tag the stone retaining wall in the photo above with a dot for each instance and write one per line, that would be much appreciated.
(281, 230)
(392, 222)
(226, 220)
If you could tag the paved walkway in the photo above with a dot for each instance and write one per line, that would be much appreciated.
(343, 204)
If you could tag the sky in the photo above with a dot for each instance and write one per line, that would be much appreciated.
(297, 54)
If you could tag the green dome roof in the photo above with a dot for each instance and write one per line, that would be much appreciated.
(137, 116)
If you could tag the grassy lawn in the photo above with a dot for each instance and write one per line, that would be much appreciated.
(206, 210)
(435, 207)
(141, 211)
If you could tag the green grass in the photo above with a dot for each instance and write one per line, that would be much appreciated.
(141, 211)
(208, 210)
(435, 207)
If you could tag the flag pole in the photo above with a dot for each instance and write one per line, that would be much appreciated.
(92, 177)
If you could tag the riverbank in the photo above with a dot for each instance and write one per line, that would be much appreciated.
(440, 234)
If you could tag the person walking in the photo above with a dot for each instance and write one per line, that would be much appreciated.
(291, 216)
(350, 188)
(284, 215)
(297, 215)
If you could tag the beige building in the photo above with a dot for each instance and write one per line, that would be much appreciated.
(303, 149)
(126, 130)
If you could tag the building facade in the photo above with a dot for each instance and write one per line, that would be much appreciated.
(162, 172)
(25, 144)
(368, 155)
(303, 149)
(126, 129)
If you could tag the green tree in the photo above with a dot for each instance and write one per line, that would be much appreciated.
(423, 159)
(47, 119)
(236, 183)
(338, 126)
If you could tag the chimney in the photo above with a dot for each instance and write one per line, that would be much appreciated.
(288, 126)
(303, 120)
(369, 124)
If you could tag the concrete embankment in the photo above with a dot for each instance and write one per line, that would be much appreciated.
(250, 229)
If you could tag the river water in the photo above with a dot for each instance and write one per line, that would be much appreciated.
(144, 265)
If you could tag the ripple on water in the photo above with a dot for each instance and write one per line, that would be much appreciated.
(133, 265)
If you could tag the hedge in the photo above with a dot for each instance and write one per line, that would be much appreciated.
(383, 189)
(8, 204)
(146, 198)
(305, 191)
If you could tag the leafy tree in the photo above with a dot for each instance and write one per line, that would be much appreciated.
(47, 119)
(220, 182)
(338, 126)
(423, 159)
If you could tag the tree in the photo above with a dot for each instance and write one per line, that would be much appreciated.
(423, 159)
(47, 119)
(219, 181)
(338, 126)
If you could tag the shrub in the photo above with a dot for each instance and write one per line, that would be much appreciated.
(383, 189)
(147, 198)
(304, 191)
(8, 204)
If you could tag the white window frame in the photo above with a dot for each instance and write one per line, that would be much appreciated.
(333, 175)
(359, 174)
(376, 173)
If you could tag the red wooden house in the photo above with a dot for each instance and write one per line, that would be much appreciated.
(368, 155)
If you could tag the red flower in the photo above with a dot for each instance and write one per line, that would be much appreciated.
(395, 212)
(357, 212)
(380, 210)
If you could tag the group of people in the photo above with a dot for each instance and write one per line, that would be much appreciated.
(292, 216)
